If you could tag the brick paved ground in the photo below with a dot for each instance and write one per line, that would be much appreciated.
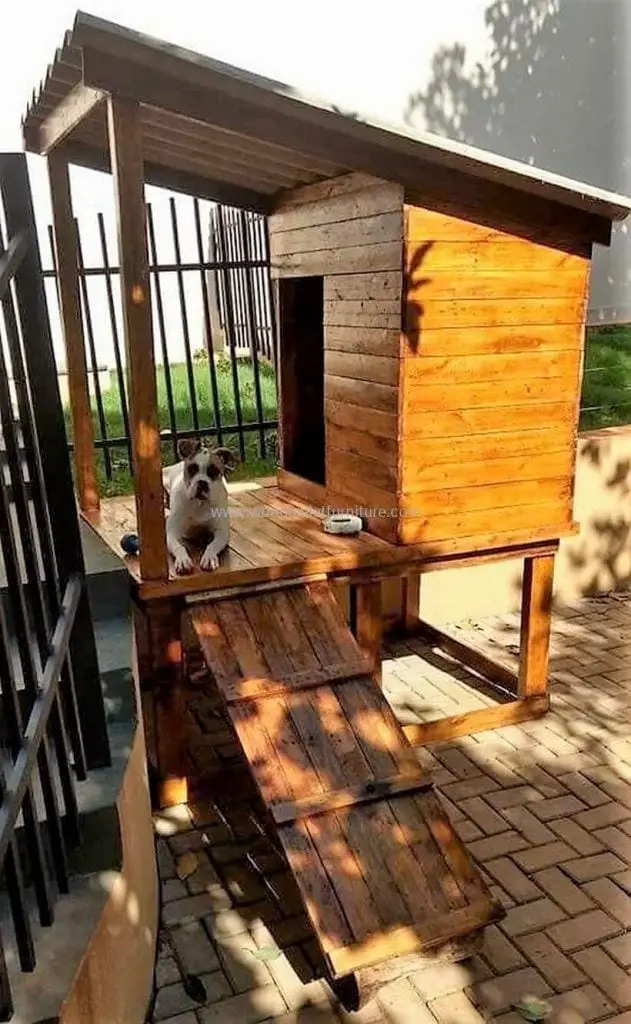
(545, 808)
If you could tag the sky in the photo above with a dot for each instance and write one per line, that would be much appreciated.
(343, 50)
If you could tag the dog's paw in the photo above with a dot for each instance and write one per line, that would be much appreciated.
(183, 563)
(209, 561)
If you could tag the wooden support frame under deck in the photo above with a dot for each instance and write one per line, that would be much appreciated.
(524, 694)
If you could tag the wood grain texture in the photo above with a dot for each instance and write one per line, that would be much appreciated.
(469, 341)
(360, 367)
(360, 287)
(72, 326)
(330, 188)
(350, 259)
(480, 528)
(445, 729)
(363, 339)
(384, 314)
(428, 258)
(519, 313)
(536, 616)
(370, 421)
(127, 169)
(367, 230)
(356, 204)
(448, 423)
(511, 366)
(418, 476)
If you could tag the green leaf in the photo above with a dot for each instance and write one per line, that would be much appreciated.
(266, 953)
(533, 1010)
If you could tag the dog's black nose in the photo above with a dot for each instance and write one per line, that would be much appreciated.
(202, 488)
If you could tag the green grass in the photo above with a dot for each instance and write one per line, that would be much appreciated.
(606, 398)
(254, 465)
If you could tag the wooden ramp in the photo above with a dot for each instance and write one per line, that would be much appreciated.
(378, 865)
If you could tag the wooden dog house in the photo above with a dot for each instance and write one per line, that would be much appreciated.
(431, 306)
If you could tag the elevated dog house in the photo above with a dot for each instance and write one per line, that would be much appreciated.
(431, 306)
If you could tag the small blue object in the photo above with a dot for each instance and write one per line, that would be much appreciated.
(130, 544)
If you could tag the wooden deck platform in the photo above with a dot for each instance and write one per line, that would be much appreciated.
(275, 535)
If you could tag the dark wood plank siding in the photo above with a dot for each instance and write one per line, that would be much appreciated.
(350, 232)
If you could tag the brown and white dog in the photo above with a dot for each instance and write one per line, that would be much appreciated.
(197, 497)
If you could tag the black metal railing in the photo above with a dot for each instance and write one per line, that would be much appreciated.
(214, 335)
(52, 721)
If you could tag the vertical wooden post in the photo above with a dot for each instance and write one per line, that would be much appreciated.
(72, 324)
(410, 602)
(536, 615)
(368, 624)
(127, 169)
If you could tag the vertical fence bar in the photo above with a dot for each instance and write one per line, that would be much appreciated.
(184, 316)
(230, 332)
(153, 256)
(212, 369)
(120, 373)
(39, 616)
(49, 429)
(251, 325)
(89, 330)
(270, 298)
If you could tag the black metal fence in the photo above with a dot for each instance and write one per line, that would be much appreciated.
(214, 335)
(52, 720)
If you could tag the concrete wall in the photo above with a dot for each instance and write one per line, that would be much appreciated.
(597, 560)
(115, 980)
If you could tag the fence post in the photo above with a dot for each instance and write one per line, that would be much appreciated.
(51, 437)
(70, 309)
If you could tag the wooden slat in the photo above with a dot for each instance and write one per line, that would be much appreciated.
(418, 476)
(260, 689)
(448, 221)
(431, 257)
(354, 259)
(520, 313)
(352, 796)
(496, 285)
(127, 169)
(436, 398)
(445, 729)
(514, 366)
(380, 313)
(449, 342)
(507, 444)
(366, 340)
(381, 397)
(369, 623)
(76, 105)
(365, 202)
(434, 933)
(378, 369)
(362, 287)
(481, 496)
(380, 473)
(382, 227)
(536, 614)
(343, 184)
(74, 342)
(363, 444)
(370, 421)
(529, 522)
(458, 422)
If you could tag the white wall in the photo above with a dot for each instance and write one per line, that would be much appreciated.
(546, 81)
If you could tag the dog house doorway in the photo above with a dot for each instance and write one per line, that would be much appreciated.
(301, 321)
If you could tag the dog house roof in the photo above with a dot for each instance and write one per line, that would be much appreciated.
(220, 132)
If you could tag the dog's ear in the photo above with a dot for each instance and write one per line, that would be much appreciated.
(226, 457)
(188, 446)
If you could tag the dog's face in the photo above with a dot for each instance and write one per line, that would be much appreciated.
(203, 467)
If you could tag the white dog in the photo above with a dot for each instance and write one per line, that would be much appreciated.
(197, 496)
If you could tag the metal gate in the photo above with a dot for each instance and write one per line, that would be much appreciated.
(52, 718)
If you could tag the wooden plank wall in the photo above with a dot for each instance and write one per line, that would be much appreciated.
(350, 231)
(492, 361)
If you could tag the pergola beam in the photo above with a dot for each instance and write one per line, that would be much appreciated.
(70, 112)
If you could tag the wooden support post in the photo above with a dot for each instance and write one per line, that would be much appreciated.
(410, 602)
(368, 622)
(72, 324)
(536, 615)
(127, 168)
